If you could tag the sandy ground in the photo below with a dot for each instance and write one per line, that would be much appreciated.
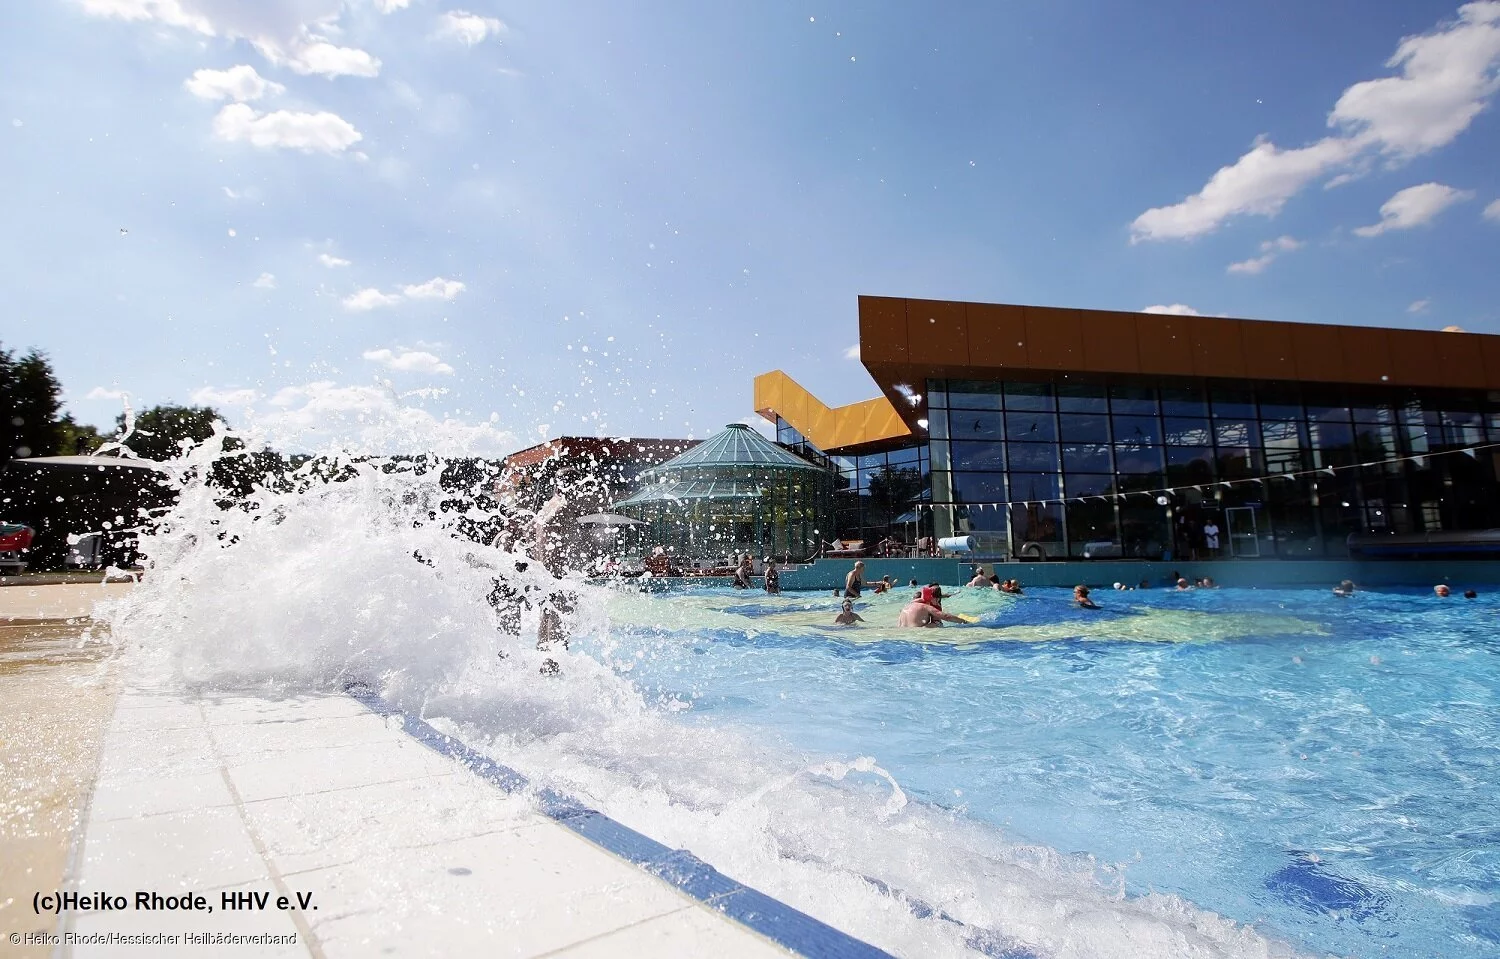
(56, 697)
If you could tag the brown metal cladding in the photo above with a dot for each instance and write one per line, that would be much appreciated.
(1098, 341)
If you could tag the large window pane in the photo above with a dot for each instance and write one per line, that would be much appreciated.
(1136, 431)
(974, 401)
(937, 424)
(1184, 401)
(1037, 457)
(979, 487)
(1131, 399)
(978, 456)
(1034, 486)
(1283, 434)
(1232, 404)
(1186, 431)
(1241, 462)
(1080, 398)
(1091, 530)
(1086, 458)
(1138, 460)
(1331, 436)
(1088, 484)
(975, 425)
(1236, 433)
(1030, 426)
(941, 454)
(1082, 428)
(1037, 524)
(1029, 396)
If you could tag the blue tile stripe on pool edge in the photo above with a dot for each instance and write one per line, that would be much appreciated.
(771, 918)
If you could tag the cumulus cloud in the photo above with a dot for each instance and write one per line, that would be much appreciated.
(325, 59)
(407, 361)
(1175, 309)
(1269, 251)
(1447, 77)
(369, 299)
(436, 288)
(331, 261)
(1414, 206)
(284, 129)
(1492, 212)
(852, 353)
(290, 33)
(1419, 306)
(103, 393)
(266, 281)
(391, 6)
(468, 28)
(1454, 329)
(239, 83)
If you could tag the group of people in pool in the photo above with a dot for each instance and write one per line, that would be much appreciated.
(1346, 589)
(926, 608)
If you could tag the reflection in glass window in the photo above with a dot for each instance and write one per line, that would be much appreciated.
(1091, 530)
(1183, 402)
(1331, 436)
(1283, 434)
(1082, 398)
(974, 401)
(1033, 456)
(979, 456)
(1131, 399)
(939, 451)
(1138, 461)
(1188, 455)
(1088, 484)
(1029, 486)
(1082, 428)
(1186, 431)
(1135, 432)
(1029, 396)
(937, 424)
(978, 487)
(1232, 404)
(1235, 433)
(1030, 427)
(1086, 458)
(1241, 462)
(974, 425)
(1037, 524)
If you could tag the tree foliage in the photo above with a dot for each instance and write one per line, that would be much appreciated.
(30, 400)
(160, 431)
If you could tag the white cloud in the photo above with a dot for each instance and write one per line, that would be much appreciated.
(1447, 76)
(233, 195)
(308, 132)
(239, 83)
(436, 288)
(1445, 79)
(1269, 251)
(1492, 212)
(101, 393)
(266, 281)
(1176, 309)
(331, 261)
(408, 361)
(215, 397)
(1414, 206)
(286, 32)
(1260, 183)
(369, 299)
(852, 353)
(468, 28)
(391, 6)
(372, 418)
(1453, 329)
(325, 59)
(1419, 306)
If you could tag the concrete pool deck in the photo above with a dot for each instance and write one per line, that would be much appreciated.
(313, 825)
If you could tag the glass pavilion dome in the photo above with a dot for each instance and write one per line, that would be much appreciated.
(736, 492)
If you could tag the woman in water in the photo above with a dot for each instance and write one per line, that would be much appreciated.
(1081, 597)
(855, 581)
(848, 617)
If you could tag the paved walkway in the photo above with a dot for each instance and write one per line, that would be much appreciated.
(396, 849)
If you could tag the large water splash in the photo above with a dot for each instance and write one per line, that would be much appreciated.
(353, 568)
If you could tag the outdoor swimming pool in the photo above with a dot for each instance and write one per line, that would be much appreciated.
(1323, 769)
(1211, 773)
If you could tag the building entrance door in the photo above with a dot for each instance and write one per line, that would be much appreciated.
(1244, 537)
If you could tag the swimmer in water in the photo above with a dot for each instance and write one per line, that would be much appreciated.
(1345, 589)
(848, 617)
(926, 610)
(855, 581)
(1441, 589)
(1081, 597)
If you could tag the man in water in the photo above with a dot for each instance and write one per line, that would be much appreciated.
(1441, 589)
(926, 610)
(848, 617)
(855, 581)
(979, 578)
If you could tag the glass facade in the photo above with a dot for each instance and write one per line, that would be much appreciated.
(1128, 468)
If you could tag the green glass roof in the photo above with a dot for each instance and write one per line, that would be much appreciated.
(738, 445)
(691, 490)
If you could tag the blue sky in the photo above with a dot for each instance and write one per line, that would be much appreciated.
(494, 221)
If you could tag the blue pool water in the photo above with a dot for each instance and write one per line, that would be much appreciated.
(1324, 770)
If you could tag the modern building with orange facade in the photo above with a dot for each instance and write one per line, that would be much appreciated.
(1059, 433)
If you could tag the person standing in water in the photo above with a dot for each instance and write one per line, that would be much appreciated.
(926, 610)
(773, 577)
(855, 581)
(848, 617)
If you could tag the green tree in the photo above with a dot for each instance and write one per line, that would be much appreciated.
(77, 439)
(160, 430)
(30, 400)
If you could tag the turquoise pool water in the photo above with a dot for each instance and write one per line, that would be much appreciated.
(1324, 770)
